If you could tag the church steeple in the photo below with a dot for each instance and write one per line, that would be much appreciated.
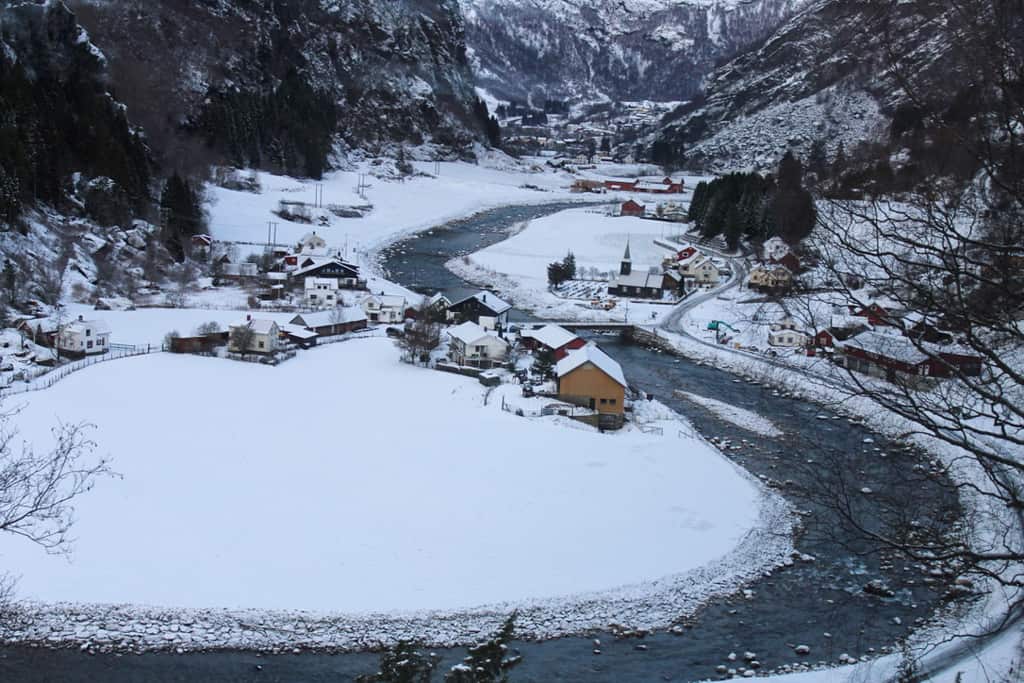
(627, 262)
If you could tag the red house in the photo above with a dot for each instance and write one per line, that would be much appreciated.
(876, 314)
(558, 340)
(686, 253)
(892, 357)
(631, 208)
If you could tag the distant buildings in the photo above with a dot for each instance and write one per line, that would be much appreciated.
(83, 338)
(664, 186)
(472, 345)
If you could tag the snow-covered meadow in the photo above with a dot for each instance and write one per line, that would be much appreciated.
(346, 483)
(598, 240)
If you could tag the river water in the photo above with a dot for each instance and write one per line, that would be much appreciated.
(820, 603)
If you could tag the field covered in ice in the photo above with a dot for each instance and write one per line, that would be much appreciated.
(346, 482)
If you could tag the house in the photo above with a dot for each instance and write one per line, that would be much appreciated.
(585, 185)
(83, 338)
(685, 253)
(483, 308)
(440, 303)
(332, 267)
(876, 314)
(788, 338)
(384, 308)
(330, 323)
(312, 243)
(238, 270)
(895, 357)
(321, 292)
(771, 278)
(472, 345)
(201, 245)
(553, 338)
(699, 267)
(841, 328)
(631, 208)
(591, 378)
(263, 336)
(42, 331)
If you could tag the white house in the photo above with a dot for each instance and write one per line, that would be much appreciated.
(312, 243)
(264, 337)
(788, 338)
(472, 345)
(321, 292)
(83, 337)
(384, 308)
(700, 268)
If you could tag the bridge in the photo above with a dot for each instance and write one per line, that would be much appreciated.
(574, 326)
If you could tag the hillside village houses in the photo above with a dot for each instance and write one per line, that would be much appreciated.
(83, 338)
(697, 270)
(472, 345)
(384, 308)
(770, 278)
(784, 333)
(264, 336)
(591, 378)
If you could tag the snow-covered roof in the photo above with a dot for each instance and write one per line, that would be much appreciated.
(638, 279)
(693, 259)
(319, 261)
(438, 297)
(489, 300)
(387, 300)
(337, 316)
(469, 333)
(97, 326)
(888, 345)
(551, 336)
(321, 282)
(297, 331)
(652, 185)
(591, 354)
(257, 325)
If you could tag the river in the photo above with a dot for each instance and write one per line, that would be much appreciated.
(818, 603)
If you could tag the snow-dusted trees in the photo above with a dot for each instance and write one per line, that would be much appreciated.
(405, 663)
(37, 490)
(489, 661)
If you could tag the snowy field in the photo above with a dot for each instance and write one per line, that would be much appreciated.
(399, 206)
(281, 489)
(519, 264)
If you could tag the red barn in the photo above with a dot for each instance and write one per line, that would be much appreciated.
(876, 314)
(686, 253)
(631, 208)
(621, 185)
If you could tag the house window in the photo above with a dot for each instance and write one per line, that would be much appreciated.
(100, 341)
(611, 401)
(261, 345)
(604, 401)
(88, 332)
(89, 345)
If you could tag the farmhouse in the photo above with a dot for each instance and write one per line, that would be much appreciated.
(321, 292)
(591, 378)
(553, 338)
(482, 308)
(384, 308)
(299, 336)
(631, 208)
(83, 338)
(333, 322)
(472, 345)
(895, 357)
(664, 186)
(263, 336)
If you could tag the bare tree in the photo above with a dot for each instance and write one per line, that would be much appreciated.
(419, 336)
(951, 254)
(37, 490)
(241, 338)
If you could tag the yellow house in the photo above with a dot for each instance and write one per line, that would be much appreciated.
(589, 377)
(770, 277)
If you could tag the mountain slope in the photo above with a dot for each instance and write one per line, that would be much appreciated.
(614, 49)
(825, 75)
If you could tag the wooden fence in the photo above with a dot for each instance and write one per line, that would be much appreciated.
(49, 378)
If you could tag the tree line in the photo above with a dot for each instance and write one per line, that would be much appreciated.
(756, 207)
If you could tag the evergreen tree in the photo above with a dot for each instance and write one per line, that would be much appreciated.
(606, 144)
(698, 203)
(181, 214)
(543, 363)
(569, 266)
(489, 661)
(10, 281)
(404, 663)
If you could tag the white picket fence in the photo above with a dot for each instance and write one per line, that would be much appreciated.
(50, 377)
